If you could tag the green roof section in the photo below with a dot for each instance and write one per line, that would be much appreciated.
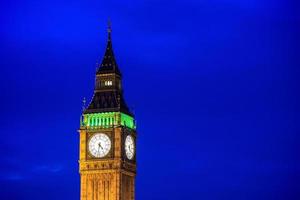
(127, 121)
(107, 119)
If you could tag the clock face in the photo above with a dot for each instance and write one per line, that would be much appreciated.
(129, 147)
(99, 145)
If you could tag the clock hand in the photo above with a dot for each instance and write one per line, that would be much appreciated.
(131, 149)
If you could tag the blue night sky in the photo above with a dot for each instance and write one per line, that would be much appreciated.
(214, 85)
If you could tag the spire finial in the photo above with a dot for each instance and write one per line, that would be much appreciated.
(108, 25)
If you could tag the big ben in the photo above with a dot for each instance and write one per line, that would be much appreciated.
(107, 157)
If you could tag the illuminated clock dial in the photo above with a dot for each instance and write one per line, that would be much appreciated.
(99, 145)
(129, 147)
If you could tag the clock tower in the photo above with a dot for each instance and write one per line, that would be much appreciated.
(107, 157)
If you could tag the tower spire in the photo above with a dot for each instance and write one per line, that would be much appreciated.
(108, 63)
(108, 94)
(109, 26)
(109, 30)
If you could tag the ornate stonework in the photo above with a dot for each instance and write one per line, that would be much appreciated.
(110, 178)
